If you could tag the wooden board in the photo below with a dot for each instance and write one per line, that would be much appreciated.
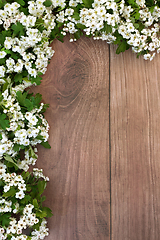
(135, 147)
(104, 162)
(76, 86)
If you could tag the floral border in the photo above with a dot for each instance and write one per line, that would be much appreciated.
(26, 30)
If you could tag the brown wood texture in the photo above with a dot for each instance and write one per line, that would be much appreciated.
(135, 147)
(76, 86)
(104, 162)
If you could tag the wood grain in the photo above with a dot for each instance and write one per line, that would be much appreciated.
(77, 87)
(135, 147)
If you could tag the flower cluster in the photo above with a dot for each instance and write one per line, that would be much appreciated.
(126, 23)
(25, 126)
(25, 42)
(21, 197)
(26, 31)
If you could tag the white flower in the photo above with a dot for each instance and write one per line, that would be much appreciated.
(20, 194)
(2, 71)
(2, 54)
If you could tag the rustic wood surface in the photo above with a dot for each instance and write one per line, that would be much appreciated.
(77, 87)
(104, 162)
(135, 147)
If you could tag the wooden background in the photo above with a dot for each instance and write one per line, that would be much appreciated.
(104, 164)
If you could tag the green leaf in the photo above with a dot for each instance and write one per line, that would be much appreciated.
(43, 198)
(31, 152)
(28, 105)
(54, 33)
(2, 38)
(1, 183)
(24, 10)
(41, 186)
(35, 203)
(36, 80)
(16, 147)
(88, 3)
(3, 122)
(36, 100)
(133, 3)
(9, 159)
(1, 4)
(81, 26)
(26, 199)
(47, 3)
(107, 28)
(10, 193)
(76, 16)
(18, 29)
(39, 137)
(122, 47)
(41, 214)
(48, 211)
(2, 61)
(5, 219)
(21, 97)
(136, 25)
(18, 77)
(136, 15)
(21, 2)
(46, 145)
(45, 106)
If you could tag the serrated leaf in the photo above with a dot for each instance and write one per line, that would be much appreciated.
(46, 145)
(36, 80)
(48, 211)
(36, 100)
(3, 122)
(21, 97)
(41, 214)
(28, 105)
(122, 47)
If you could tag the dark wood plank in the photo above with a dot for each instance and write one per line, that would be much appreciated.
(77, 87)
(135, 147)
